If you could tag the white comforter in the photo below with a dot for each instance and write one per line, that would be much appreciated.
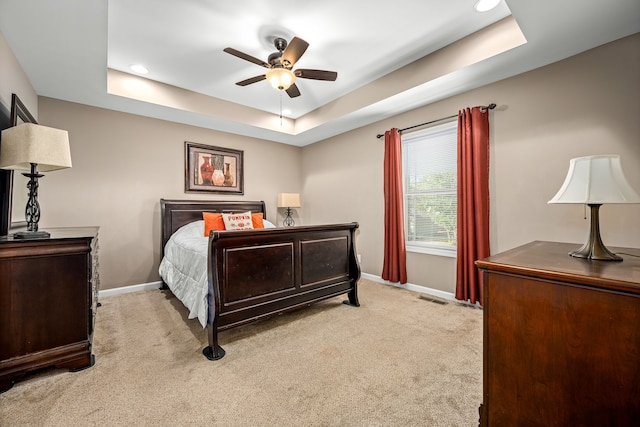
(184, 268)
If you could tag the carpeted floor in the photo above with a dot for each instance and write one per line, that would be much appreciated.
(398, 360)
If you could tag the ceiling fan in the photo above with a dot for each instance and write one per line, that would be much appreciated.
(279, 65)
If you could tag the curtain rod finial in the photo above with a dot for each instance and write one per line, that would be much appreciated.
(486, 108)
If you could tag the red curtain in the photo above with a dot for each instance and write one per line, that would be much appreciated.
(394, 267)
(473, 201)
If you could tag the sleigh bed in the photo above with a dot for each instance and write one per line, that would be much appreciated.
(253, 274)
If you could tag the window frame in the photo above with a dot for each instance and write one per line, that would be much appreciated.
(419, 247)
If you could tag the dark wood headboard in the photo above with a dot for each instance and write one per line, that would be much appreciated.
(176, 213)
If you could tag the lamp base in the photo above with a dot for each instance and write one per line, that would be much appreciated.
(598, 254)
(288, 219)
(594, 248)
(32, 210)
(27, 235)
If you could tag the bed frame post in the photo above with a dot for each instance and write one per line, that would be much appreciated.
(213, 351)
(354, 270)
(353, 297)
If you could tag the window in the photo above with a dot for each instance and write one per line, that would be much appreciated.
(429, 165)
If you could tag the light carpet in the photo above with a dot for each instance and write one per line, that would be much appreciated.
(397, 360)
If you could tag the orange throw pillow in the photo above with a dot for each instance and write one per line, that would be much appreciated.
(212, 221)
(256, 218)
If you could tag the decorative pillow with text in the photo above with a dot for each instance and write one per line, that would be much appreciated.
(238, 221)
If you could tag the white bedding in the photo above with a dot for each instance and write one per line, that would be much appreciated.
(184, 267)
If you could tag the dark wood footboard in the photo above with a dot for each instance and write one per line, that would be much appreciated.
(254, 274)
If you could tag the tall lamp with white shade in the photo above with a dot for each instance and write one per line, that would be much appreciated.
(288, 201)
(594, 181)
(31, 147)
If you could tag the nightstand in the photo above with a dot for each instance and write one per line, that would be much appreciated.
(561, 338)
(48, 297)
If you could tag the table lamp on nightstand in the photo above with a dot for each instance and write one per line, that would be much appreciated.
(593, 181)
(288, 201)
(31, 147)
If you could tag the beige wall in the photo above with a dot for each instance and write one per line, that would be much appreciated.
(14, 80)
(584, 105)
(124, 164)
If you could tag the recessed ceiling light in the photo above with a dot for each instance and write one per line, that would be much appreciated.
(485, 5)
(139, 68)
(286, 111)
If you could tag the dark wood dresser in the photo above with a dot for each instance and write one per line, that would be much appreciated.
(561, 338)
(48, 297)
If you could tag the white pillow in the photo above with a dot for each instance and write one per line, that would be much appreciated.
(238, 221)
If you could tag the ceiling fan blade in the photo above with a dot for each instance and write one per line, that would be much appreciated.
(252, 80)
(316, 74)
(246, 57)
(293, 91)
(293, 52)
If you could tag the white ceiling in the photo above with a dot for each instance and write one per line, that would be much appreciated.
(66, 47)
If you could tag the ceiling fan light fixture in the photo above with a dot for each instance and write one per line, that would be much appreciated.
(280, 78)
(485, 5)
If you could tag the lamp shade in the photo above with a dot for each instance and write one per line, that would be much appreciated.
(596, 180)
(289, 200)
(280, 78)
(30, 143)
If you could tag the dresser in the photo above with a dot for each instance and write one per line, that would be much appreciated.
(561, 338)
(48, 299)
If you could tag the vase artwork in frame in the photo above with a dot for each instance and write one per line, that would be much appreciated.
(213, 169)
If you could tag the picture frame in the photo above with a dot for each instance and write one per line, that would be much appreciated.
(5, 180)
(13, 186)
(213, 169)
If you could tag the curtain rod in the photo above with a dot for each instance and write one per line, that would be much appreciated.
(482, 107)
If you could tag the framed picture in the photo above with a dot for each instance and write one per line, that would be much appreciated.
(13, 185)
(213, 169)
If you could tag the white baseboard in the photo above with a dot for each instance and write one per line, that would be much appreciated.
(418, 288)
(409, 286)
(129, 289)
